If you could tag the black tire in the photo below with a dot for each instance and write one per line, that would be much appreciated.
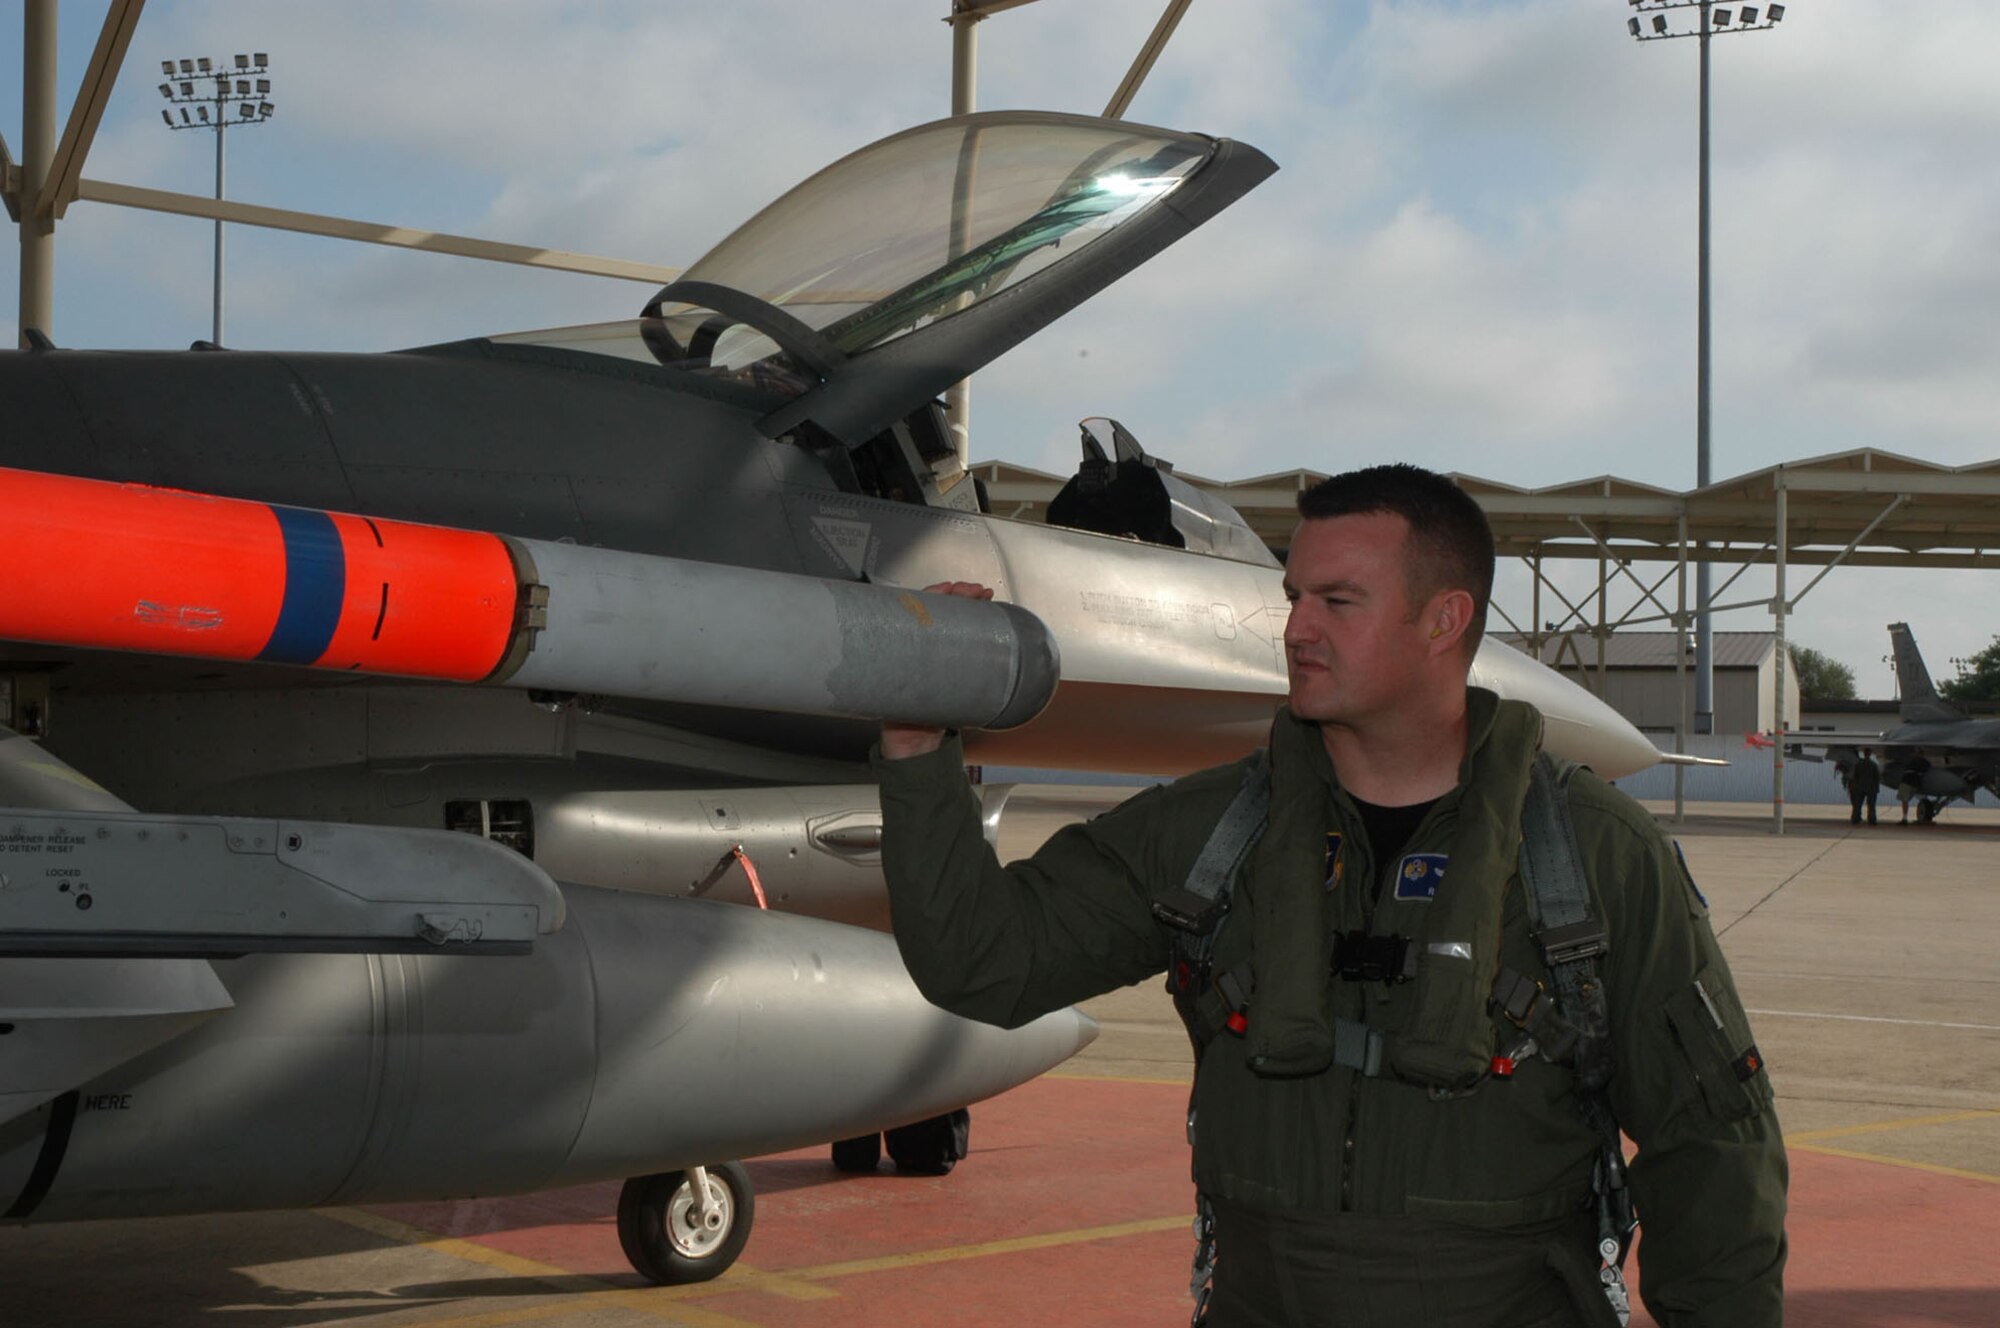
(859, 1155)
(930, 1147)
(662, 1232)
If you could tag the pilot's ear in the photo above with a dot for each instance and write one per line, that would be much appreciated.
(1449, 614)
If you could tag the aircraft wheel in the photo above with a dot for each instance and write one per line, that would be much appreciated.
(930, 1147)
(859, 1155)
(666, 1235)
(1927, 811)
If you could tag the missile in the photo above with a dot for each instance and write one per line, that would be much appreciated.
(95, 564)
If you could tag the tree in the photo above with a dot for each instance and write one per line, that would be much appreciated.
(1978, 677)
(1821, 676)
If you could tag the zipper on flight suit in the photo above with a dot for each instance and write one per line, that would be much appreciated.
(1355, 1077)
(1368, 902)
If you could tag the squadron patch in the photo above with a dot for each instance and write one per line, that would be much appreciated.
(1334, 866)
(1419, 874)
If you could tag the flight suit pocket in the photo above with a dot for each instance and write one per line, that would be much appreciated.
(1714, 1034)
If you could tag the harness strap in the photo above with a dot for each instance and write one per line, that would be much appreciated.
(1573, 939)
(1197, 911)
(1196, 917)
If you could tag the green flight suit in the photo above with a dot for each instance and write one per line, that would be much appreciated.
(1331, 1162)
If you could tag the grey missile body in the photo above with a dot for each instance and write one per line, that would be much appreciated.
(642, 626)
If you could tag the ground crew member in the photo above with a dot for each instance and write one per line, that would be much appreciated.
(1442, 1177)
(1862, 786)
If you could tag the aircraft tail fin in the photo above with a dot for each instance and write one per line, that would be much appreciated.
(1920, 700)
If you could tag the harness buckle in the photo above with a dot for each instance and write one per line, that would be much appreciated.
(1516, 997)
(1574, 942)
(1184, 910)
(1360, 956)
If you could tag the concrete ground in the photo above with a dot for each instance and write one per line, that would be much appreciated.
(1868, 958)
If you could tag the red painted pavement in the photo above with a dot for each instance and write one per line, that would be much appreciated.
(1872, 1244)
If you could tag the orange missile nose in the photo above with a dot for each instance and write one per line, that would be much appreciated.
(131, 567)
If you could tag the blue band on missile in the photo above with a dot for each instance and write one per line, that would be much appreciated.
(315, 586)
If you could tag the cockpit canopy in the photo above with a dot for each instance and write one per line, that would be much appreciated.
(910, 230)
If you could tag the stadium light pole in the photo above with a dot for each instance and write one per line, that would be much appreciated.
(1649, 22)
(219, 93)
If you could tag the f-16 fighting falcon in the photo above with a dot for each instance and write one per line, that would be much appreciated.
(624, 604)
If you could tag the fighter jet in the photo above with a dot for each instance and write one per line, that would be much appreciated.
(1938, 750)
(627, 601)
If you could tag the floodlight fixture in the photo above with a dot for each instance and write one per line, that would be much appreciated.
(1721, 17)
(232, 101)
(1776, 13)
(1660, 24)
(1749, 15)
(1633, 24)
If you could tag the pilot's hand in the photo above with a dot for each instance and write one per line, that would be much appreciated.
(901, 740)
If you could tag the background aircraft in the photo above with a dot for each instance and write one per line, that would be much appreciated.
(686, 540)
(1944, 753)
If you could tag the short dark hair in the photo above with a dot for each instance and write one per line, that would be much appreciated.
(1451, 543)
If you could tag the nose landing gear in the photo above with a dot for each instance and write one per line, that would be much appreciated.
(686, 1226)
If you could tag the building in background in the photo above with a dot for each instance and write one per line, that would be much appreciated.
(1640, 683)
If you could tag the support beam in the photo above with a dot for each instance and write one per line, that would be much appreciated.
(1852, 545)
(1974, 557)
(1778, 607)
(339, 228)
(1684, 721)
(92, 95)
(964, 100)
(10, 181)
(978, 9)
(1149, 54)
(38, 149)
(1603, 631)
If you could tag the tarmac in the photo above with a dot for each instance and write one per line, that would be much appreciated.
(1867, 957)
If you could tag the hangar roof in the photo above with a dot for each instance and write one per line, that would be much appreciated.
(1893, 510)
(1648, 650)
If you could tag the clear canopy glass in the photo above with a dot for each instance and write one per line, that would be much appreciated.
(918, 227)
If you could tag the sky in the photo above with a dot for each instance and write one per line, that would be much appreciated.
(1478, 254)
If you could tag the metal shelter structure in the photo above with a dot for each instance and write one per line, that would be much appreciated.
(1865, 508)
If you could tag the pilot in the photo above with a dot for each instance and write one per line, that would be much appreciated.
(1441, 1176)
(1862, 786)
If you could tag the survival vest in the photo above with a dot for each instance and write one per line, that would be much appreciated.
(1572, 1027)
